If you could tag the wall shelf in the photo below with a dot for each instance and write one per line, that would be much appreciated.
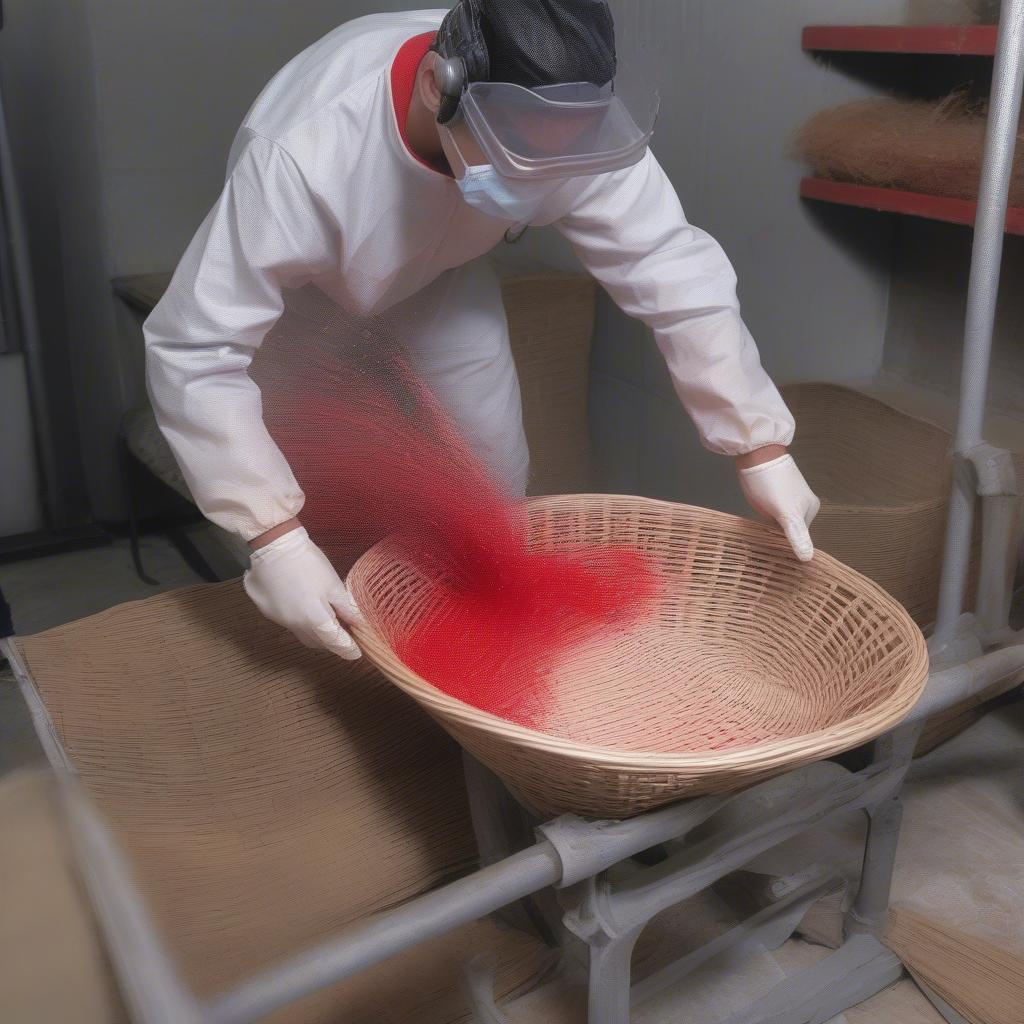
(914, 204)
(948, 40)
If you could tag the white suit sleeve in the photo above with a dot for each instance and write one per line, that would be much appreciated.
(265, 233)
(629, 230)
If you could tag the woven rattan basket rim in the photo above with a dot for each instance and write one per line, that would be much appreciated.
(885, 714)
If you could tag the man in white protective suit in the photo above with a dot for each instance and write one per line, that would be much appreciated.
(379, 165)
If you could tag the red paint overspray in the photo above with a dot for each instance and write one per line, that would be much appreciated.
(383, 459)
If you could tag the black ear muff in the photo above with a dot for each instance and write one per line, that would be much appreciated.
(450, 78)
(462, 52)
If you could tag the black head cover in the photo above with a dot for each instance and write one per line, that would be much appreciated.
(549, 42)
(529, 42)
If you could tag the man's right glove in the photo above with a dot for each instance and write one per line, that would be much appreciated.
(778, 491)
(293, 584)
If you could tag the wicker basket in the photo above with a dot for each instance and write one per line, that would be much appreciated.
(773, 662)
(884, 481)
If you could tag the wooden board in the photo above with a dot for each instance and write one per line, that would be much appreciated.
(141, 291)
(892, 200)
(951, 40)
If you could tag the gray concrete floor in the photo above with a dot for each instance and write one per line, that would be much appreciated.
(46, 592)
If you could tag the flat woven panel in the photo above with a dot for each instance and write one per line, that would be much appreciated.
(981, 980)
(884, 479)
(53, 967)
(268, 795)
(753, 663)
(551, 324)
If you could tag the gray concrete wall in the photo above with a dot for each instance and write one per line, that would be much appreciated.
(36, 86)
(813, 280)
(926, 317)
(19, 496)
(144, 99)
(122, 116)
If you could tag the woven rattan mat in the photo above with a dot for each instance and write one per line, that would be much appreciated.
(266, 794)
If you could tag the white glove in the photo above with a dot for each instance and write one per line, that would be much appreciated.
(293, 584)
(777, 490)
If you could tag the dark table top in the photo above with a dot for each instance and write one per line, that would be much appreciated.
(141, 291)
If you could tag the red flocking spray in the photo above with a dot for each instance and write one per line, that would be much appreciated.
(378, 457)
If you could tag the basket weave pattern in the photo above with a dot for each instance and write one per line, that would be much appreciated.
(752, 663)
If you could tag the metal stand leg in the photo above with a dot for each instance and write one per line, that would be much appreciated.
(982, 294)
(502, 827)
(1000, 552)
(608, 998)
(609, 951)
(478, 982)
(128, 480)
(871, 908)
(607, 914)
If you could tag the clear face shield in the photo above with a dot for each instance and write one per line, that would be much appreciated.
(556, 131)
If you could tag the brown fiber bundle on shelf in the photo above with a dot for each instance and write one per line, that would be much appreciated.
(933, 147)
(751, 664)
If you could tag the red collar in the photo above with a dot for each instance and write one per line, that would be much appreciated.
(403, 80)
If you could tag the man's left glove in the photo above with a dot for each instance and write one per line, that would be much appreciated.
(777, 490)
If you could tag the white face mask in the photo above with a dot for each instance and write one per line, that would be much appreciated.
(505, 198)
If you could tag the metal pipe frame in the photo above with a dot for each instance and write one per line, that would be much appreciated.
(388, 933)
(607, 917)
(982, 296)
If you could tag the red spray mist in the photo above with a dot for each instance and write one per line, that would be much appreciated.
(376, 457)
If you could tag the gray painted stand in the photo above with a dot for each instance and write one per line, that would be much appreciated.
(707, 839)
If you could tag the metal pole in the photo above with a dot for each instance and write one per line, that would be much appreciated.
(152, 989)
(386, 934)
(982, 293)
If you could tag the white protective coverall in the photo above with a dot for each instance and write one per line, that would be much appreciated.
(322, 190)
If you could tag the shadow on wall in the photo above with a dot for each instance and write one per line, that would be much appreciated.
(928, 12)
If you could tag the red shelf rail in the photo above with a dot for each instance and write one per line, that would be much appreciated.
(914, 204)
(954, 40)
